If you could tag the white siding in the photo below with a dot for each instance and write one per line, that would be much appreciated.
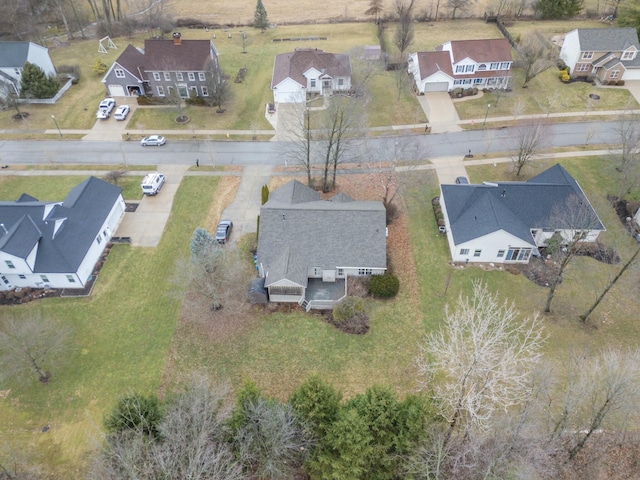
(288, 91)
(489, 246)
(570, 51)
(631, 74)
(39, 56)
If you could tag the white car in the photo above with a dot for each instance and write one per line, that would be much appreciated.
(105, 107)
(154, 140)
(121, 112)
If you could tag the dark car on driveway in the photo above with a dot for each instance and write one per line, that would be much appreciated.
(223, 232)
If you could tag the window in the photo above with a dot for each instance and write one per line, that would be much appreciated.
(477, 253)
(500, 253)
(10, 264)
(364, 271)
(459, 68)
(70, 279)
(170, 91)
(587, 55)
(167, 76)
(194, 90)
(464, 251)
(518, 254)
(285, 290)
(104, 232)
(457, 82)
(119, 73)
(482, 67)
(494, 66)
(44, 278)
(628, 55)
(467, 81)
(584, 67)
(205, 91)
(312, 83)
(22, 277)
(340, 272)
(192, 76)
(201, 76)
(504, 66)
(614, 74)
(340, 82)
(160, 91)
(99, 239)
(478, 80)
(470, 68)
(179, 76)
(156, 76)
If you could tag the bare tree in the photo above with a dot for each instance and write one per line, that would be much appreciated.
(627, 130)
(219, 90)
(114, 176)
(572, 220)
(340, 124)
(458, 5)
(9, 98)
(610, 285)
(529, 138)
(404, 34)
(272, 443)
(599, 391)
(481, 361)
(300, 149)
(535, 55)
(32, 344)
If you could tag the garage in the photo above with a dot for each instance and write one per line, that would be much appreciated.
(116, 91)
(436, 87)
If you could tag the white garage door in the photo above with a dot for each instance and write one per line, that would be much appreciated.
(116, 90)
(436, 87)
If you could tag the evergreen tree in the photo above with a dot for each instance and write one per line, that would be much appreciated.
(261, 20)
(36, 84)
(556, 9)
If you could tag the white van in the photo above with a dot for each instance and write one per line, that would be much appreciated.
(152, 183)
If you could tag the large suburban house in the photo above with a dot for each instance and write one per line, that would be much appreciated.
(13, 56)
(309, 247)
(164, 67)
(308, 71)
(507, 222)
(608, 54)
(57, 244)
(462, 63)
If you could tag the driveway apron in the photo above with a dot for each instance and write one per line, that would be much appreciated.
(439, 109)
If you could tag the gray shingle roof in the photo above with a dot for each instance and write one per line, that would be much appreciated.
(515, 207)
(607, 39)
(83, 212)
(132, 60)
(296, 234)
(189, 55)
(294, 64)
(13, 54)
(481, 50)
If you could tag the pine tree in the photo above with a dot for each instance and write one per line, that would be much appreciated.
(36, 84)
(261, 20)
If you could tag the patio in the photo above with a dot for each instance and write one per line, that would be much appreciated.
(321, 294)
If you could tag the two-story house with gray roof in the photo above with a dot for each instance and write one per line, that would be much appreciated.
(309, 247)
(506, 222)
(163, 68)
(13, 56)
(608, 54)
(57, 244)
(484, 63)
(308, 71)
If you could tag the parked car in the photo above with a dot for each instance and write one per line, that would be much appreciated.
(121, 112)
(105, 107)
(462, 181)
(152, 183)
(223, 232)
(153, 140)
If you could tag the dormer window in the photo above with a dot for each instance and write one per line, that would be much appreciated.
(482, 67)
(628, 55)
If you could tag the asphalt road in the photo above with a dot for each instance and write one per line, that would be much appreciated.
(273, 153)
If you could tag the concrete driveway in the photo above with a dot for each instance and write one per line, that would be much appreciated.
(111, 129)
(439, 109)
(146, 224)
(245, 208)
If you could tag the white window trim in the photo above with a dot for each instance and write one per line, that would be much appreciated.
(156, 76)
(587, 55)
(191, 76)
(179, 76)
(201, 76)
(160, 91)
(205, 91)
(167, 76)
(119, 73)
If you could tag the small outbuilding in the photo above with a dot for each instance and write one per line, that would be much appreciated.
(257, 292)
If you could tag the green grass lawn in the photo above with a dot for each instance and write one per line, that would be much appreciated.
(55, 188)
(121, 337)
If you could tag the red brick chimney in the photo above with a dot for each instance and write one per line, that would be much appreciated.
(177, 38)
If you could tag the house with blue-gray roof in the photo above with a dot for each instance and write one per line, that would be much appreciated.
(507, 222)
(13, 56)
(608, 54)
(308, 247)
(57, 244)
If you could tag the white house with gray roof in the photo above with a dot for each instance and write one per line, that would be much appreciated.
(506, 222)
(13, 56)
(57, 244)
(309, 247)
(608, 54)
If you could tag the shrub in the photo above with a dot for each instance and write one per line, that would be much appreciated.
(565, 78)
(135, 412)
(265, 194)
(71, 70)
(620, 83)
(392, 213)
(347, 308)
(197, 101)
(384, 286)
(98, 66)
